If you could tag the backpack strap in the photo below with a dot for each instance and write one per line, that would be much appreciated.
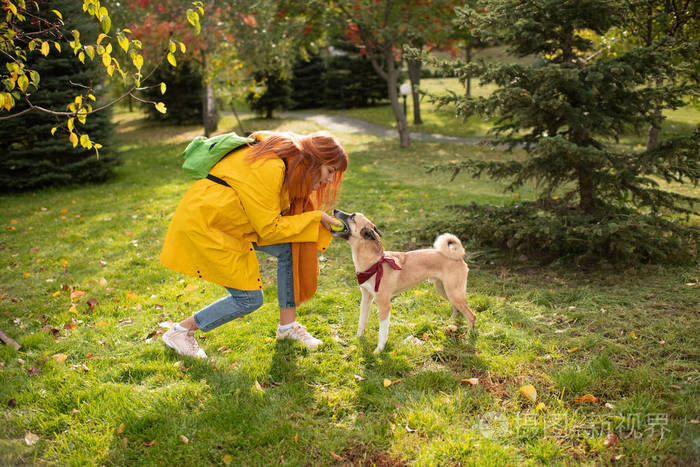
(217, 180)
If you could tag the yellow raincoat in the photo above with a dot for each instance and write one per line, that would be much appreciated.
(211, 233)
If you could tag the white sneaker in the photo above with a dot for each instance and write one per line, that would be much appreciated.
(300, 334)
(183, 342)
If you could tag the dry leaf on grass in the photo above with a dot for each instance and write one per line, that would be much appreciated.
(227, 459)
(611, 440)
(472, 381)
(529, 392)
(60, 357)
(31, 439)
(150, 443)
(120, 428)
(336, 456)
(587, 398)
(258, 387)
(184, 439)
(360, 378)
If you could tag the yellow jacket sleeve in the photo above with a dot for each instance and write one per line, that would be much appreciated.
(259, 194)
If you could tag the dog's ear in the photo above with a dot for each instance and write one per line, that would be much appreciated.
(369, 234)
(379, 232)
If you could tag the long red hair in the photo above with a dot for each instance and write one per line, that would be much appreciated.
(304, 155)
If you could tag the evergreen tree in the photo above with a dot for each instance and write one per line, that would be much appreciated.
(274, 93)
(307, 80)
(183, 98)
(32, 158)
(351, 79)
(569, 106)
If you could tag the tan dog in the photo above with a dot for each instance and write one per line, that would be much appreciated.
(384, 274)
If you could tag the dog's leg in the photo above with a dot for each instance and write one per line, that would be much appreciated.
(440, 289)
(365, 306)
(456, 294)
(384, 314)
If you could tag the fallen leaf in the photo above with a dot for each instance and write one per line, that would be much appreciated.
(103, 282)
(587, 398)
(336, 456)
(608, 405)
(56, 294)
(131, 296)
(227, 459)
(12, 403)
(451, 329)
(30, 438)
(296, 437)
(34, 370)
(191, 287)
(410, 430)
(529, 391)
(77, 295)
(70, 326)
(540, 407)
(633, 334)
(360, 378)
(149, 444)
(258, 387)
(92, 303)
(472, 381)
(73, 310)
(674, 386)
(387, 382)
(184, 439)
(611, 440)
(573, 349)
(120, 428)
(102, 324)
(60, 357)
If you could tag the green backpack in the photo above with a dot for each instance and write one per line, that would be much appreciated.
(203, 153)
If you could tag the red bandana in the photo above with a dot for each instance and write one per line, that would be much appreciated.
(376, 269)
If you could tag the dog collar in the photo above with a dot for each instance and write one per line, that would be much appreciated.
(377, 269)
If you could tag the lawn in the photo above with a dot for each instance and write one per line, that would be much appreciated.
(83, 293)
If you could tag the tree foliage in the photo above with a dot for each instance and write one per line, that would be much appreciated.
(35, 27)
(570, 106)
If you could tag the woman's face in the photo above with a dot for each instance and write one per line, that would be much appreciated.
(325, 175)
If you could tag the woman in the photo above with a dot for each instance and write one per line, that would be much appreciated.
(262, 197)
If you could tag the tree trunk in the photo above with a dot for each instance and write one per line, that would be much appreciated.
(655, 128)
(392, 78)
(586, 192)
(240, 124)
(414, 69)
(468, 59)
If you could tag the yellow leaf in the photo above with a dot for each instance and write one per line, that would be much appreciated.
(45, 48)
(123, 42)
(81, 57)
(160, 107)
(73, 139)
(131, 295)
(85, 141)
(53, 131)
(529, 391)
(58, 46)
(171, 60)
(191, 287)
(102, 324)
(120, 429)
(106, 59)
(173, 47)
(573, 349)
(184, 439)
(227, 459)
(60, 357)
(258, 387)
(90, 51)
(587, 398)
(419, 293)
(103, 282)
(387, 382)
(137, 59)
(70, 124)
(633, 334)
(23, 82)
(57, 13)
(182, 47)
(56, 294)
(73, 310)
(162, 88)
(77, 295)
(540, 407)
(472, 381)
(27, 274)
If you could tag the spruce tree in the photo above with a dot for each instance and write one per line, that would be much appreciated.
(276, 94)
(32, 158)
(568, 109)
(183, 98)
(307, 80)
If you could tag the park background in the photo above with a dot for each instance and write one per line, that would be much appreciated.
(586, 344)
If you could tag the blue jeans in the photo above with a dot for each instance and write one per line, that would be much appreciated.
(243, 302)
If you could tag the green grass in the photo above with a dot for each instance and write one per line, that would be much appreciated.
(628, 337)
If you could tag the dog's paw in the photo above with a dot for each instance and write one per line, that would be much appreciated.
(378, 350)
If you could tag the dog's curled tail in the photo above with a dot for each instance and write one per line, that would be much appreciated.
(450, 246)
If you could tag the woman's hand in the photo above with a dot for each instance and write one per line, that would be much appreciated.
(327, 221)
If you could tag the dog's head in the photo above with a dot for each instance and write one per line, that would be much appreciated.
(357, 228)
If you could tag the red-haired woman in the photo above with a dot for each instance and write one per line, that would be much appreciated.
(263, 197)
